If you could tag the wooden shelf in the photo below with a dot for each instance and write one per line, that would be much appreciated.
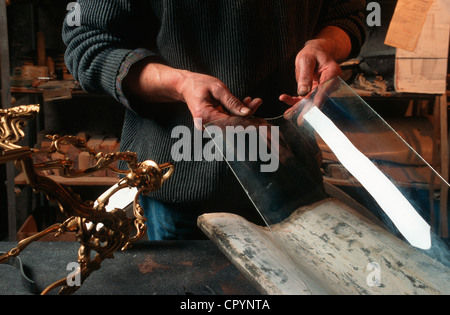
(37, 90)
(78, 181)
(391, 94)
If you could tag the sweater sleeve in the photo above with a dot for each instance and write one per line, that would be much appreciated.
(109, 40)
(349, 16)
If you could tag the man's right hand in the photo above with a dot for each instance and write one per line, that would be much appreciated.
(207, 97)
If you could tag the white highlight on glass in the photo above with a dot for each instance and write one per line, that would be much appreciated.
(410, 224)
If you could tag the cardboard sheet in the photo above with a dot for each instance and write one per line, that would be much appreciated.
(424, 68)
(407, 22)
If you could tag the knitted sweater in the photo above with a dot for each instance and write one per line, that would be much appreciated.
(250, 45)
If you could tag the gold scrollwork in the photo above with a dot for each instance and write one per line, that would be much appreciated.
(97, 229)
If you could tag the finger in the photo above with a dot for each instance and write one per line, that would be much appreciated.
(306, 108)
(229, 101)
(325, 90)
(289, 100)
(305, 67)
(254, 104)
(247, 100)
(296, 112)
(331, 71)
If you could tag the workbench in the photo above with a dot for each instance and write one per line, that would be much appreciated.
(150, 268)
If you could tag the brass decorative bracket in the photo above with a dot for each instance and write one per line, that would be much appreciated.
(97, 229)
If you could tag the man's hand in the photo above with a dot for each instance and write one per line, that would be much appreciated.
(207, 97)
(318, 61)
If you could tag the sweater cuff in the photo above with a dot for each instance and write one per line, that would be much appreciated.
(133, 57)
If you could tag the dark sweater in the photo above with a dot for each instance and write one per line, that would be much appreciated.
(250, 45)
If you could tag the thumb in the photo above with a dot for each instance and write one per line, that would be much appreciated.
(231, 103)
(304, 69)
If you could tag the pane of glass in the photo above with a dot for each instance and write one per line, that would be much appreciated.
(342, 193)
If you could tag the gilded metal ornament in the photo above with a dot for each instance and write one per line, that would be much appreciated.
(100, 232)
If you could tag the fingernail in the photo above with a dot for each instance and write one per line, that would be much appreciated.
(245, 111)
(303, 90)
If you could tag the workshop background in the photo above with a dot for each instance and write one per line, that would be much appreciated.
(39, 75)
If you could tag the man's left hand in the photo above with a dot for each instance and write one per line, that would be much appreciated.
(318, 61)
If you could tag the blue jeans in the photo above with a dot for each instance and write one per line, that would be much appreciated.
(170, 222)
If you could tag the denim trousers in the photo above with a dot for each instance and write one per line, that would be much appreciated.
(169, 221)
